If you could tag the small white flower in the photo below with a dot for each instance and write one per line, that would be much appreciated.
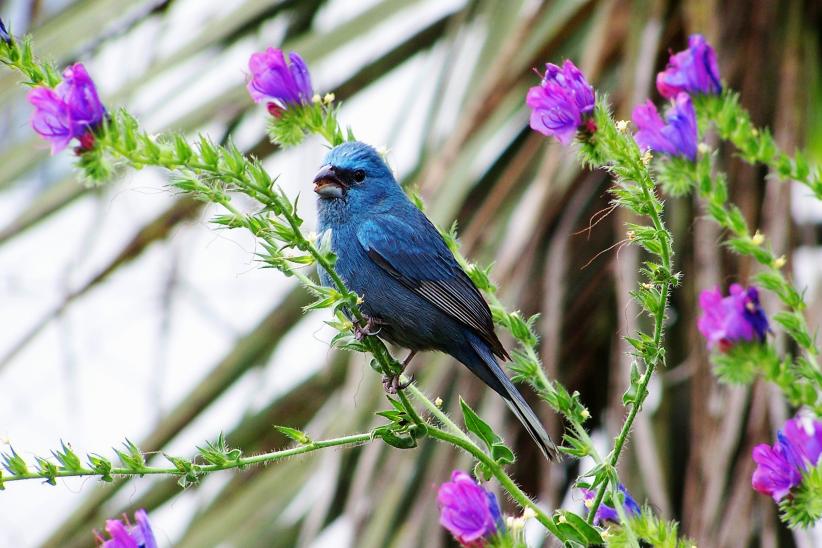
(514, 524)
(328, 98)
(622, 126)
(316, 98)
(758, 238)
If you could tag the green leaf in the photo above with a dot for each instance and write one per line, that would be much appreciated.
(296, 435)
(132, 457)
(14, 463)
(585, 530)
(499, 451)
(394, 440)
(47, 469)
(567, 533)
(804, 507)
(67, 458)
(101, 466)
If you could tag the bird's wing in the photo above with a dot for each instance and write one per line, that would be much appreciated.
(418, 257)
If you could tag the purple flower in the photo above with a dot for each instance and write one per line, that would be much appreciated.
(561, 101)
(676, 136)
(693, 70)
(803, 438)
(4, 34)
(125, 535)
(779, 468)
(467, 510)
(737, 317)
(276, 81)
(609, 513)
(70, 111)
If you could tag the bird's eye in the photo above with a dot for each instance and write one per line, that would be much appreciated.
(359, 175)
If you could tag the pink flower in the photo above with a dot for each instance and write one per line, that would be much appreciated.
(70, 111)
(693, 70)
(561, 101)
(737, 317)
(276, 81)
(676, 136)
(609, 513)
(125, 535)
(779, 468)
(467, 510)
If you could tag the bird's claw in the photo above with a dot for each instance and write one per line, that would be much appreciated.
(392, 383)
(370, 328)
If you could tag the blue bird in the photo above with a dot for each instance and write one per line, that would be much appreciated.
(415, 294)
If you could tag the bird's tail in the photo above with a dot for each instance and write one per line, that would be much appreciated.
(487, 369)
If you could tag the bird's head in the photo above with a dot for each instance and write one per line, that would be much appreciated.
(354, 175)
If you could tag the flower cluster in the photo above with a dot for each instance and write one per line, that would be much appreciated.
(125, 535)
(779, 468)
(278, 82)
(607, 513)
(689, 72)
(727, 320)
(72, 110)
(560, 104)
(468, 511)
(563, 100)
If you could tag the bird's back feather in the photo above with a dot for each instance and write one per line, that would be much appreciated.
(412, 251)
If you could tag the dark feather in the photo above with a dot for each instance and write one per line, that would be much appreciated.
(432, 273)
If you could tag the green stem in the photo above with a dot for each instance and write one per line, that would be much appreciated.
(647, 186)
(437, 412)
(410, 409)
(353, 439)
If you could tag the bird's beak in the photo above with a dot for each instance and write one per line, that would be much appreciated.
(327, 184)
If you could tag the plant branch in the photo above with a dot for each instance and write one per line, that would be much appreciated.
(107, 473)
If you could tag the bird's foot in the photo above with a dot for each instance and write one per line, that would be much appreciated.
(392, 383)
(371, 327)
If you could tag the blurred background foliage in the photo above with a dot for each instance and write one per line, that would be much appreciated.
(126, 314)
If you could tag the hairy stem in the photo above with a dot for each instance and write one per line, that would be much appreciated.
(633, 174)
(264, 458)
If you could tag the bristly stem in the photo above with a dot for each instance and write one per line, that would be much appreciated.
(239, 463)
(436, 411)
(635, 190)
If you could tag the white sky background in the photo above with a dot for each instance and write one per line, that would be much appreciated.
(106, 370)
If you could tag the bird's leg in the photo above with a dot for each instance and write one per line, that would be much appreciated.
(392, 383)
(371, 327)
(408, 359)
